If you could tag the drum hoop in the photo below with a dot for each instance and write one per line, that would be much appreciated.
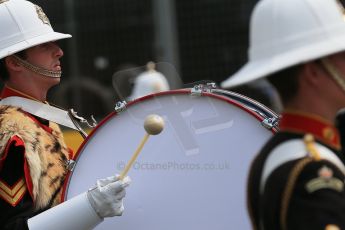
(144, 98)
(247, 99)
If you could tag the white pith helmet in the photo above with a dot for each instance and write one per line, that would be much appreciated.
(24, 25)
(284, 33)
(150, 81)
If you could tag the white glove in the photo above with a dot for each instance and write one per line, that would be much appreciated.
(106, 198)
(86, 210)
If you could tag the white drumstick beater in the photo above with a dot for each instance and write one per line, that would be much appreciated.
(153, 125)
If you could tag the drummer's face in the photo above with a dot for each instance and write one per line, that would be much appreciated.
(47, 56)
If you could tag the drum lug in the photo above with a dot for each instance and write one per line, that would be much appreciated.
(120, 106)
(270, 123)
(197, 90)
(70, 164)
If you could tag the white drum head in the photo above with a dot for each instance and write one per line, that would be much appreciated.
(191, 176)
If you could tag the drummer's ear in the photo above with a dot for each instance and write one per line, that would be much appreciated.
(312, 74)
(12, 64)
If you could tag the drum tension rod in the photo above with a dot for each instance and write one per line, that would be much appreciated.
(70, 164)
(197, 90)
(120, 106)
(270, 122)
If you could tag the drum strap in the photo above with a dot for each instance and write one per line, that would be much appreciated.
(293, 150)
(41, 110)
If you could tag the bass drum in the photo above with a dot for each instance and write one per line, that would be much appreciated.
(192, 175)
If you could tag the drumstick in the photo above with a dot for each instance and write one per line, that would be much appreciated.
(153, 125)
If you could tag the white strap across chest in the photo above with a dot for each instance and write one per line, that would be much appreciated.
(41, 110)
(293, 150)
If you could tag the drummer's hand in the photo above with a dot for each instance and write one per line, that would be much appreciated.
(106, 197)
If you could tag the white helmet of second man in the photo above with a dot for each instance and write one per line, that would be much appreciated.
(284, 33)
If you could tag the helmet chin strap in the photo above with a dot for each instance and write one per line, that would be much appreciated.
(38, 69)
(333, 71)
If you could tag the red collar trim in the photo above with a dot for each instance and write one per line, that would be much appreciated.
(298, 122)
(9, 92)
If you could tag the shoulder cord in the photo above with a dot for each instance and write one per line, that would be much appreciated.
(293, 176)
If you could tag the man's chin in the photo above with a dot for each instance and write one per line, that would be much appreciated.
(52, 81)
